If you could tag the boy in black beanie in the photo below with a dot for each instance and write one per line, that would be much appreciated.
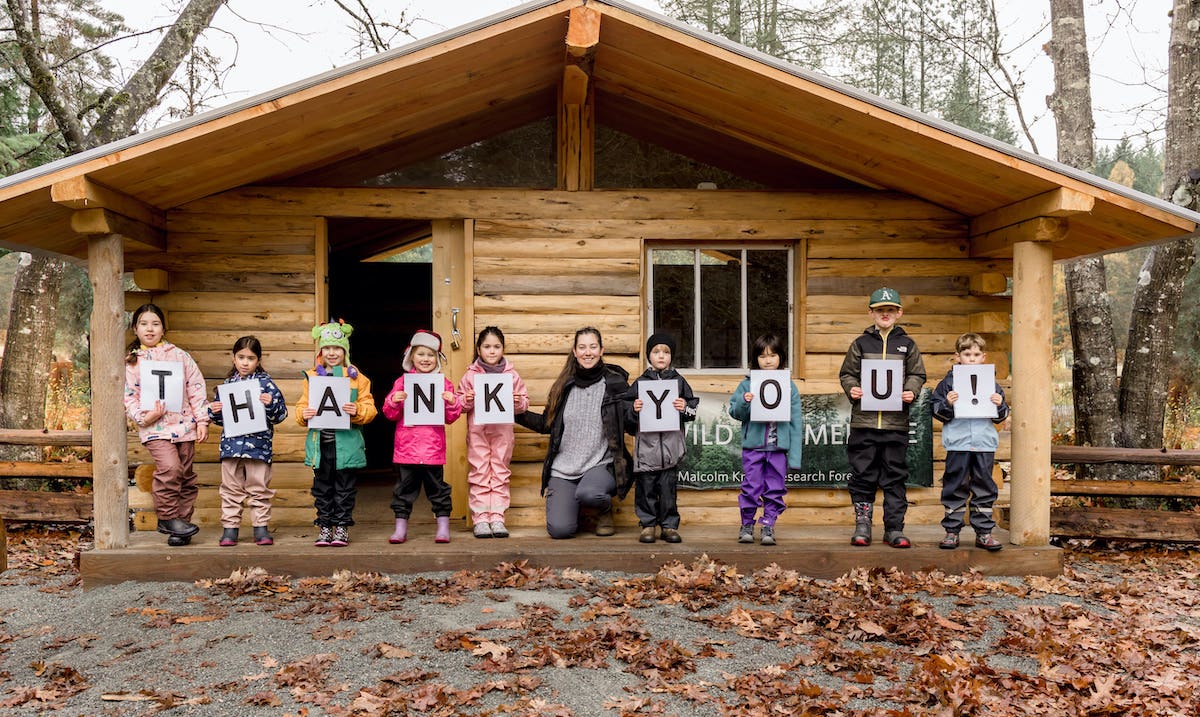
(657, 455)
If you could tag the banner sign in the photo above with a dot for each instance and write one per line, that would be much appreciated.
(714, 444)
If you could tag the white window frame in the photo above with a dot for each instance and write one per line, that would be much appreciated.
(725, 248)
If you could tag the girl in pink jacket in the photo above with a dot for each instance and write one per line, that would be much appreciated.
(419, 456)
(490, 446)
(169, 436)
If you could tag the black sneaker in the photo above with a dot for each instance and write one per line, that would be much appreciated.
(767, 537)
(746, 534)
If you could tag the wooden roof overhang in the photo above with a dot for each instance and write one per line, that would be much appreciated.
(652, 77)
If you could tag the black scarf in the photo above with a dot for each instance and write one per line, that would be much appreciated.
(585, 377)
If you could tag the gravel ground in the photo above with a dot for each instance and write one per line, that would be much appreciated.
(696, 639)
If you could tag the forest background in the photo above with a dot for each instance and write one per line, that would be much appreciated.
(957, 60)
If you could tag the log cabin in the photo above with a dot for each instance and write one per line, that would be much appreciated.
(544, 169)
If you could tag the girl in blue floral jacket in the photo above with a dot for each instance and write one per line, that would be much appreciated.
(246, 460)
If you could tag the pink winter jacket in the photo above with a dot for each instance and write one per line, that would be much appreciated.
(420, 445)
(175, 427)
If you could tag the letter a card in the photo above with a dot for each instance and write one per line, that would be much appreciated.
(424, 405)
(493, 398)
(882, 385)
(658, 412)
(772, 396)
(241, 410)
(328, 394)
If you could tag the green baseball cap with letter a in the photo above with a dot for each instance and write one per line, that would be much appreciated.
(884, 297)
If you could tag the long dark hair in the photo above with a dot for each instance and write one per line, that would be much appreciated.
(131, 350)
(246, 342)
(568, 372)
(768, 341)
(494, 331)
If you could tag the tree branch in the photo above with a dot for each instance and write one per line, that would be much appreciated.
(41, 79)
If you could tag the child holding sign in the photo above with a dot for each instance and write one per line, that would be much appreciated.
(490, 438)
(335, 454)
(420, 445)
(657, 452)
(970, 442)
(164, 396)
(770, 447)
(878, 443)
(246, 452)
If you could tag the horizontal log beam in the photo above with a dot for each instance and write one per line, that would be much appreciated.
(41, 437)
(1124, 524)
(1061, 202)
(96, 222)
(45, 507)
(1126, 488)
(84, 193)
(63, 471)
(1104, 454)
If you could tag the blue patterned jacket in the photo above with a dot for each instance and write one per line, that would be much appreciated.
(256, 446)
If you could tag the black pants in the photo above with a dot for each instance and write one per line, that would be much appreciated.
(334, 491)
(877, 462)
(654, 498)
(409, 479)
(969, 476)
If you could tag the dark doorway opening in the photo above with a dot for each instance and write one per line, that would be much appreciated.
(381, 283)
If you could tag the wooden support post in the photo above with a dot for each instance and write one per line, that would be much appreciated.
(110, 486)
(453, 291)
(1033, 308)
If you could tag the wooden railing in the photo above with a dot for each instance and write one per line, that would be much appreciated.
(1124, 523)
(45, 506)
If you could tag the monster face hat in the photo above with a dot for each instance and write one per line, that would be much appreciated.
(335, 333)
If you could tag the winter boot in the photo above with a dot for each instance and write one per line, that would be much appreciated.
(324, 536)
(229, 536)
(443, 529)
(341, 536)
(401, 533)
(604, 523)
(863, 512)
(262, 536)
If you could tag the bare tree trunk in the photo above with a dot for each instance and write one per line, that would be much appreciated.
(25, 373)
(1094, 369)
(23, 376)
(1148, 363)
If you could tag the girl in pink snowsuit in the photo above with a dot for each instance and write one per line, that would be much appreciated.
(490, 446)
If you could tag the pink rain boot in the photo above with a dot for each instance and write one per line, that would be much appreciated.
(443, 529)
(401, 533)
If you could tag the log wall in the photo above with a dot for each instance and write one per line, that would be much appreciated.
(228, 275)
(542, 275)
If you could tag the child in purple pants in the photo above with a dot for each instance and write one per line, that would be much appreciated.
(768, 449)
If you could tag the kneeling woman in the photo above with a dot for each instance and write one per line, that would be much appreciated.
(587, 462)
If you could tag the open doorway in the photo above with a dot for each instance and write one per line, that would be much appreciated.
(381, 283)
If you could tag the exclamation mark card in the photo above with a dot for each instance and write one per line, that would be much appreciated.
(975, 384)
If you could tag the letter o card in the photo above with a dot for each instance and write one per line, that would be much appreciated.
(161, 381)
(493, 398)
(882, 385)
(424, 405)
(328, 394)
(242, 411)
(772, 396)
(658, 412)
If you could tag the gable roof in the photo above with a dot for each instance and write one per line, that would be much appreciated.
(653, 77)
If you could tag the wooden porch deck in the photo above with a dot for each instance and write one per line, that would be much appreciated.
(823, 552)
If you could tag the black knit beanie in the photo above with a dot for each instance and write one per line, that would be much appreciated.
(656, 339)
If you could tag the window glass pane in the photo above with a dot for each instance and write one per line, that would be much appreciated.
(721, 310)
(674, 301)
(767, 294)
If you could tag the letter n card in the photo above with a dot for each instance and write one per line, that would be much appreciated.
(424, 405)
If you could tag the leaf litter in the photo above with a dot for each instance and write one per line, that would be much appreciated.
(1117, 634)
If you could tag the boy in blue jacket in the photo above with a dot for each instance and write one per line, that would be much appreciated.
(970, 445)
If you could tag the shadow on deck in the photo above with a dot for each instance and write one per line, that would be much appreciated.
(823, 552)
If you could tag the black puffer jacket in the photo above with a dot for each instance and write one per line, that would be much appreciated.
(612, 415)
